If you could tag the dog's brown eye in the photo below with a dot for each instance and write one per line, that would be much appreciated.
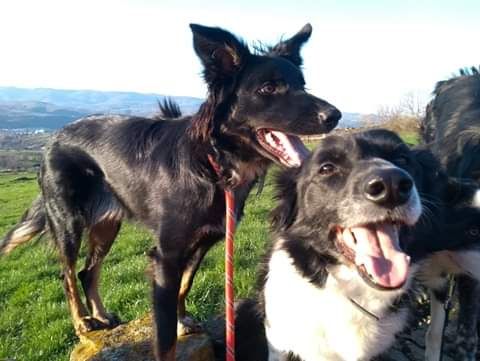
(266, 89)
(327, 169)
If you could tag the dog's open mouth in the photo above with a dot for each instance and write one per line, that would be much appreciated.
(286, 149)
(375, 251)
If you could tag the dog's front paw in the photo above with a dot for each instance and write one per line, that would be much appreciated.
(187, 325)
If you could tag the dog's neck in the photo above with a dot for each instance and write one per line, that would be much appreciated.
(232, 172)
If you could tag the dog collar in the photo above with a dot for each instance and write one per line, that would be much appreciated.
(214, 164)
(363, 309)
(218, 172)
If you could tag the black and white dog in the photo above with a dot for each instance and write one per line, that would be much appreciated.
(452, 130)
(335, 277)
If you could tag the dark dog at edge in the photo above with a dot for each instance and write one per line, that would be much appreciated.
(170, 174)
(451, 129)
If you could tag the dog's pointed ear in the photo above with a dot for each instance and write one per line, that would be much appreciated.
(220, 52)
(290, 49)
(428, 170)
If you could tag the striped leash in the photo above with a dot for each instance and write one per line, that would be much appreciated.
(229, 272)
(230, 221)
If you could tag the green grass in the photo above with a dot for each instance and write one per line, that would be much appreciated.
(412, 138)
(34, 319)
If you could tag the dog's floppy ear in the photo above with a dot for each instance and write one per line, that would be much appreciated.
(430, 172)
(459, 191)
(468, 145)
(284, 214)
(290, 49)
(221, 53)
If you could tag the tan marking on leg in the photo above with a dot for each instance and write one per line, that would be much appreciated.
(77, 308)
(94, 301)
(185, 286)
(101, 237)
(186, 325)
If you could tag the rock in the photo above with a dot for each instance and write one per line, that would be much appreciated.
(132, 341)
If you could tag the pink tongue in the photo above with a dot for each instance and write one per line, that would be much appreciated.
(291, 149)
(378, 251)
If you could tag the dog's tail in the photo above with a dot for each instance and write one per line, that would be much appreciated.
(32, 223)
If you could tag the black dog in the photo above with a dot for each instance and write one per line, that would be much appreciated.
(170, 175)
(334, 281)
(452, 130)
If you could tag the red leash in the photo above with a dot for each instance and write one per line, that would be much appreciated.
(230, 220)
(229, 291)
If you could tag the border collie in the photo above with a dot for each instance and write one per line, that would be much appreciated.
(334, 281)
(170, 175)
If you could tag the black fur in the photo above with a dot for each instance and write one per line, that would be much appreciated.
(170, 175)
(451, 129)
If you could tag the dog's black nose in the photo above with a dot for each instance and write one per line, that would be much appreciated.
(389, 187)
(329, 117)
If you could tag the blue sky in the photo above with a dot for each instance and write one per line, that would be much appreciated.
(362, 54)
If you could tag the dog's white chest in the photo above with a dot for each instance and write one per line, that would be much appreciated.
(322, 323)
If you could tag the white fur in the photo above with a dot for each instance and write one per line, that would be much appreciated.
(433, 338)
(476, 199)
(276, 355)
(322, 323)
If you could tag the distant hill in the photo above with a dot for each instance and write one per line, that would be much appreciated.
(51, 109)
(350, 120)
(35, 115)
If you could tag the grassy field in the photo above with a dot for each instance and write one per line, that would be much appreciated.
(34, 320)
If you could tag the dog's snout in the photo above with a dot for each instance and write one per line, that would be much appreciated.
(329, 117)
(389, 187)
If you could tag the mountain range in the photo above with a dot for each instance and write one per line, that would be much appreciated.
(50, 109)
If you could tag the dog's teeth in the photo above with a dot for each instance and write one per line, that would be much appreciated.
(269, 138)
